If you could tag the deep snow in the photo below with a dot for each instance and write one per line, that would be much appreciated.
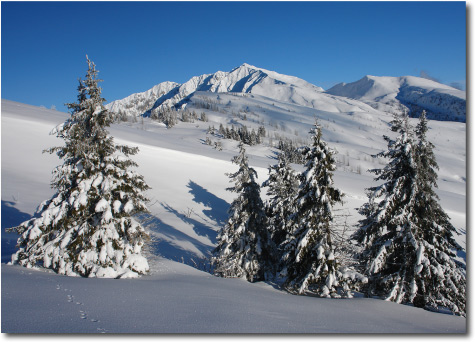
(180, 299)
(188, 207)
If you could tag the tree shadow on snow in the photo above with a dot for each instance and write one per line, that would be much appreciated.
(274, 155)
(11, 217)
(218, 208)
(170, 243)
(462, 254)
(198, 227)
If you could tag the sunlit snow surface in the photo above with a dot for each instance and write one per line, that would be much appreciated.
(188, 206)
(180, 299)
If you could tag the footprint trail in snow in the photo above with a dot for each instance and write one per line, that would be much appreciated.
(82, 313)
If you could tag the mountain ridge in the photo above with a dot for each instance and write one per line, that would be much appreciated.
(389, 94)
(241, 79)
(381, 93)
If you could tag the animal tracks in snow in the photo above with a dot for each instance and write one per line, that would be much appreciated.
(82, 313)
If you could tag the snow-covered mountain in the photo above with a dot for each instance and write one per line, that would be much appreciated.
(139, 103)
(390, 93)
(243, 79)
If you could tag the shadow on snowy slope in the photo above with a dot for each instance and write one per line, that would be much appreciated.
(172, 243)
(167, 241)
(11, 217)
(218, 208)
(198, 227)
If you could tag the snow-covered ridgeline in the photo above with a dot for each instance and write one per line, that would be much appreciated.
(389, 93)
(243, 79)
(169, 94)
(136, 104)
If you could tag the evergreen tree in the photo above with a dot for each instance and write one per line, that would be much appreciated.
(221, 130)
(440, 279)
(261, 131)
(245, 248)
(293, 154)
(310, 262)
(407, 237)
(253, 138)
(426, 158)
(87, 228)
(282, 187)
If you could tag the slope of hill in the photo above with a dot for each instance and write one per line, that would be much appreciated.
(188, 207)
(390, 93)
(180, 299)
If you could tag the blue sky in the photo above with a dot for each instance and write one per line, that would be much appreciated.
(136, 45)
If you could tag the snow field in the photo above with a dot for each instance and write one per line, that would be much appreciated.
(173, 161)
(188, 207)
(181, 299)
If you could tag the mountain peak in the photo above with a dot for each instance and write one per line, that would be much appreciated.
(387, 94)
(243, 79)
(245, 66)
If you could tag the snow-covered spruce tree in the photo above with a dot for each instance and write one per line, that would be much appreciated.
(245, 248)
(282, 186)
(406, 236)
(87, 228)
(310, 262)
(442, 279)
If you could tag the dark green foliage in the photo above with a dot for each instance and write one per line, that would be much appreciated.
(245, 248)
(310, 262)
(282, 187)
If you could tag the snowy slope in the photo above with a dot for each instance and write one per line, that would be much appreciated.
(243, 79)
(141, 102)
(180, 299)
(389, 93)
(188, 207)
